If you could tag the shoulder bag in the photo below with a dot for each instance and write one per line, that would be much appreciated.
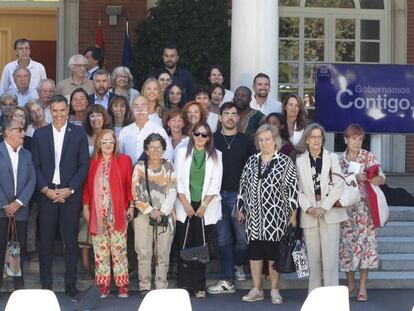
(197, 253)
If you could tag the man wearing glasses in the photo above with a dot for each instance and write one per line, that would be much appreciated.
(60, 153)
(17, 184)
(77, 66)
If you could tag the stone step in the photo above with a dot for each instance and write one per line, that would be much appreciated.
(376, 280)
(397, 262)
(387, 245)
(401, 213)
(397, 229)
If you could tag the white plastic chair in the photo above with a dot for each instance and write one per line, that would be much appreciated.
(33, 300)
(327, 298)
(166, 299)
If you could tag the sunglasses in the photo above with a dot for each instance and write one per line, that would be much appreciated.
(204, 135)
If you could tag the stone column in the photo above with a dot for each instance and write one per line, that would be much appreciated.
(69, 44)
(254, 42)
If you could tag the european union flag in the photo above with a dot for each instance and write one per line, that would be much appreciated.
(127, 53)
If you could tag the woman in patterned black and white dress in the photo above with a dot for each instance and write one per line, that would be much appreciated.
(267, 201)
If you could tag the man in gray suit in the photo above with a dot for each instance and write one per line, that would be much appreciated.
(17, 184)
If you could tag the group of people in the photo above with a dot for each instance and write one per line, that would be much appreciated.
(175, 163)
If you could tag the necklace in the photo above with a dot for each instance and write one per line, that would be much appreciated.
(227, 143)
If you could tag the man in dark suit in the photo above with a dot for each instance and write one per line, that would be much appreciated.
(60, 152)
(17, 184)
(101, 84)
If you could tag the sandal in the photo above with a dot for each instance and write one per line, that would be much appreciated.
(362, 297)
(200, 294)
(352, 292)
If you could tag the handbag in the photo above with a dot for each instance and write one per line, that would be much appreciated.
(378, 205)
(197, 253)
(300, 258)
(12, 258)
(283, 262)
(350, 195)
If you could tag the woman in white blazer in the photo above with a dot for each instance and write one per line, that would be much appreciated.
(199, 172)
(318, 192)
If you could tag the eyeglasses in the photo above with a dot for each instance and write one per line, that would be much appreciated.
(197, 134)
(107, 142)
(19, 129)
(19, 116)
(155, 148)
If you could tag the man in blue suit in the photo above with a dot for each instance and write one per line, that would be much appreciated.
(60, 153)
(17, 184)
(102, 85)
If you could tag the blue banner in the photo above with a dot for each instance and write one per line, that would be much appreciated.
(378, 97)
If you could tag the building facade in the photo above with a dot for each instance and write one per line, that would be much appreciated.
(284, 38)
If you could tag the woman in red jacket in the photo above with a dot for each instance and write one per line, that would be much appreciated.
(106, 198)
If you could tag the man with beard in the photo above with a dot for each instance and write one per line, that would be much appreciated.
(261, 100)
(236, 148)
(101, 84)
(250, 119)
(179, 75)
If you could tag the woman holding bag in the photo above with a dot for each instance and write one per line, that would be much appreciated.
(106, 197)
(267, 201)
(358, 245)
(318, 192)
(199, 174)
(154, 192)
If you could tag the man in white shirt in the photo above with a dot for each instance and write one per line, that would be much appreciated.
(46, 91)
(17, 184)
(261, 100)
(95, 58)
(24, 93)
(131, 137)
(37, 70)
(101, 84)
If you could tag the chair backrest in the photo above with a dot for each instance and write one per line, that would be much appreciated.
(33, 300)
(327, 298)
(166, 299)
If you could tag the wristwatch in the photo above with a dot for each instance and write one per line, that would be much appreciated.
(71, 191)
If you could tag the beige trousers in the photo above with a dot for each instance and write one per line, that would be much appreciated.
(322, 245)
(144, 242)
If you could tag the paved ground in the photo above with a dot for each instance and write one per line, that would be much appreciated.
(404, 181)
(379, 300)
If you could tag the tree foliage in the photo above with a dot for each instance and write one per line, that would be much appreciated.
(199, 28)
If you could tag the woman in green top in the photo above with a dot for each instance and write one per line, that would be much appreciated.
(199, 172)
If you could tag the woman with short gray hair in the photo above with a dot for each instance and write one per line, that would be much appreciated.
(122, 83)
(319, 188)
(267, 201)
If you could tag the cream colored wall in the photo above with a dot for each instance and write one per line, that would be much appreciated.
(31, 23)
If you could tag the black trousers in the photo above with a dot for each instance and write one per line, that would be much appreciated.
(65, 215)
(18, 282)
(191, 275)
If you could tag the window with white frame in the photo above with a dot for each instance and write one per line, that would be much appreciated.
(337, 31)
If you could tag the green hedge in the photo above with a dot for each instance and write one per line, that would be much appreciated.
(199, 28)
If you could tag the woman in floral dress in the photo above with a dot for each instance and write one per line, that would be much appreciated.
(106, 197)
(358, 245)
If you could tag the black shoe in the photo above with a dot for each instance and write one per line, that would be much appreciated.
(71, 290)
(143, 292)
(47, 286)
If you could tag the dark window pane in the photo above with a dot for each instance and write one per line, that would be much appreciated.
(289, 27)
(345, 51)
(370, 52)
(289, 50)
(345, 29)
(288, 73)
(371, 4)
(347, 4)
(370, 29)
(314, 28)
(314, 51)
(289, 2)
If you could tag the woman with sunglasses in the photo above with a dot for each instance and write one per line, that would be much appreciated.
(154, 189)
(106, 201)
(199, 174)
